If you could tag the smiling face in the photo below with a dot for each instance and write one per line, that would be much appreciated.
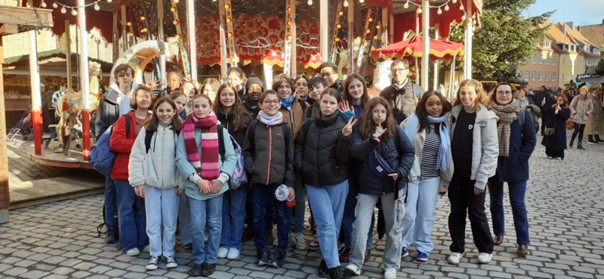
(174, 80)
(329, 105)
(284, 90)
(124, 78)
(301, 87)
(201, 107)
(399, 72)
(253, 92)
(330, 75)
(181, 103)
(315, 92)
(434, 106)
(379, 114)
(468, 96)
(165, 113)
(356, 89)
(143, 100)
(227, 97)
(235, 80)
(271, 104)
(503, 94)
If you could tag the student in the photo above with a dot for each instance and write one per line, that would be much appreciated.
(174, 79)
(181, 100)
(236, 78)
(428, 130)
(152, 172)
(269, 156)
(301, 87)
(378, 135)
(316, 85)
(232, 115)
(198, 160)
(474, 148)
(131, 209)
(254, 89)
(291, 105)
(322, 150)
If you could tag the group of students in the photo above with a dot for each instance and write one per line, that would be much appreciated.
(304, 137)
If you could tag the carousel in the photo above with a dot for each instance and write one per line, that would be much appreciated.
(265, 38)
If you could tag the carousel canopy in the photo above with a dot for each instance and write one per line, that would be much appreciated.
(414, 48)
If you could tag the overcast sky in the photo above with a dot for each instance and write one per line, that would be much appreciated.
(581, 12)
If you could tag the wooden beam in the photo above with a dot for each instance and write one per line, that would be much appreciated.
(7, 29)
(4, 192)
(26, 17)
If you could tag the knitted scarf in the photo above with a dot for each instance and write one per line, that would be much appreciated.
(288, 103)
(207, 166)
(507, 114)
(444, 149)
(270, 120)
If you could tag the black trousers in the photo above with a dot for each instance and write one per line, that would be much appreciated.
(463, 199)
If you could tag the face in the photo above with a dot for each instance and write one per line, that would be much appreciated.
(253, 92)
(315, 92)
(521, 94)
(124, 78)
(503, 95)
(330, 75)
(227, 97)
(434, 107)
(355, 89)
(189, 89)
(181, 103)
(143, 99)
(560, 101)
(165, 113)
(301, 87)
(329, 105)
(378, 114)
(399, 72)
(271, 104)
(201, 107)
(284, 90)
(583, 92)
(209, 91)
(174, 80)
(468, 95)
(234, 79)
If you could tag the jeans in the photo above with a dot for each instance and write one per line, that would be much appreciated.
(110, 203)
(161, 206)
(517, 191)
(184, 220)
(327, 204)
(206, 215)
(349, 215)
(422, 196)
(233, 217)
(394, 212)
(264, 198)
(579, 128)
(462, 198)
(131, 217)
(297, 212)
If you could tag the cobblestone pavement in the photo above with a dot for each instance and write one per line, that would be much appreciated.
(58, 240)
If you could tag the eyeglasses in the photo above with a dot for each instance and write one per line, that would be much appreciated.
(270, 102)
(502, 92)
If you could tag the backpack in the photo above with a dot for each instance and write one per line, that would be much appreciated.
(239, 176)
(149, 136)
(101, 157)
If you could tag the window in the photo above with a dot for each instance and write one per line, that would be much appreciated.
(540, 60)
(527, 75)
(554, 76)
(540, 76)
(547, 76)
(554, 59)
(534, 76)
(547, 59)
(563, 61)
(534, 59)
(563, 77)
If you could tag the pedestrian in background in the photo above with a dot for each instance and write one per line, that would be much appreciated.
(555, 116)
(595, 123)
(580, 108)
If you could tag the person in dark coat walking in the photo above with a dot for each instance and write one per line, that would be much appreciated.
(555, 116)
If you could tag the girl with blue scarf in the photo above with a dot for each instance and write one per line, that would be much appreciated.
(428, 130)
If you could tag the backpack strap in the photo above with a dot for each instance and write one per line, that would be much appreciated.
(221, 149)
(251, 135)
(148, 136)
(128, 120)
(521, 117)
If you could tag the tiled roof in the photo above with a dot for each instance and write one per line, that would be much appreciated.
(556, 34)
(574, 35)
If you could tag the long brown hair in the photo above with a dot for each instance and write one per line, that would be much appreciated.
(152, 123)
(346, 94)
(482, 96)
(238, 110)
(366, 124)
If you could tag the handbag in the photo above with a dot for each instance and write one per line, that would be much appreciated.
(570, 124)
(378, 166)
(549, 131)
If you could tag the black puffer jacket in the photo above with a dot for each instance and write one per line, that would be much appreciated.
(398, 151)
(322, 152)
(227, 120)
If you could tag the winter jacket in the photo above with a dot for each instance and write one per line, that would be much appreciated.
(410, 93)
(294, 114)
(109, 109)
(227, 121)
(269, 155)
(580, 108)
(397, 151)
(157, 166)
(322, 152)
(557, 141)
(121, 143)
(485, 144)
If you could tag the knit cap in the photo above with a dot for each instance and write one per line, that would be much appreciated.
(254, 80)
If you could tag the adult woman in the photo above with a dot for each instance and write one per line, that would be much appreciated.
(516, 144)
(555, 116)
(474, 149)
(580, 108)
(595, 124)
(526, 102)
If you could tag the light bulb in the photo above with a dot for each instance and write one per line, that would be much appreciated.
(461, 6)
(175, 1)
(454, 1)
(63, 10)
(96, 6)
(55, 5)
(361, 1)
(109, 1)
(345, 3)
(74, 12)
(419, 10)
(43, 4)
(309, 2)
(440, 11)
(406, 6)
(447, 7)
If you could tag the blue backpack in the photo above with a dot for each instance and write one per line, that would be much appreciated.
(101, 157)
(239, 176)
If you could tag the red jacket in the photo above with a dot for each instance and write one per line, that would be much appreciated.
(121, 145)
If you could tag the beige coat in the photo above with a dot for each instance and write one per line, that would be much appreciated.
(580, 108)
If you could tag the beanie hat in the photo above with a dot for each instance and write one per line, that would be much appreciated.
(254, 80)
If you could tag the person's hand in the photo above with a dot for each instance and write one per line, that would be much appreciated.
(478, 191)
(180, 191)
(344, 106)
(153, 83)
(442, 194)
(543, 102)
(139, 190)
(291, 193)
(379, 131)
(216, 186)
(394, 176)
(347, 130)
(203, 186)
(529, 108)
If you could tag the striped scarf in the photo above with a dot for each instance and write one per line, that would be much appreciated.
(507, 114)
(207, 166)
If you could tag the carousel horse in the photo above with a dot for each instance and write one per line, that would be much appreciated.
(381, 78)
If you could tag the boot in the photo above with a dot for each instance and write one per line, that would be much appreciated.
(335, 273)
(571, 142)
(590, 139)
(580, 146)
(597, 138)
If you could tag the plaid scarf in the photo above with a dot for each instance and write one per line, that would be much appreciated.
(507, 114)
(207, 166)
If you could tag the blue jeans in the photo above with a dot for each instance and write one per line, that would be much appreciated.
(110, 203)
(161, 206)
(184, 221)
(349, 217)
(517, 193)
(233, 217)
(131, 217)
(264, 198)
(327, 204)
(422, 196)
(206, 215)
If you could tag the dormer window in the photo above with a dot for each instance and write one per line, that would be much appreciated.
(547, 44)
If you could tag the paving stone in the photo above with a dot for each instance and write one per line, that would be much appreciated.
(34, 274)
(15, 271)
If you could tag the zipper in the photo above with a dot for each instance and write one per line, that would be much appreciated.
(317, 155)
(270, 153)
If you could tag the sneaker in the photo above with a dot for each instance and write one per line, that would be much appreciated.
(300, 241)
(422, 257)
(207, 269)
(196, 270)
(222, 252)
(147, 249)
(404, 252)
(278, 259)
(171, 262)
(153, 263)
(233, 254)
(133, 252)
(313, 246)
(352, 270)
(484, 258)
(390, 273)
(454, 258)
(263, 257)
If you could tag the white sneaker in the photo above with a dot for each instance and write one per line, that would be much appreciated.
(153, 263)
(454, 258)
(233, 254)
(133, 252)
(352, 269)
(300, 241)
(171, 262)
(222, 252)
(484, 258)
(147, 249)
(390, 273)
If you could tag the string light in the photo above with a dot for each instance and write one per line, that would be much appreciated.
(74, 12)
(309, 2)
(55, 5)
(96, 6)
(108, 1)
(345, 3)
(406, 6)
(361, 1)
(63, 10)
(43, 4)
(440, 11)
